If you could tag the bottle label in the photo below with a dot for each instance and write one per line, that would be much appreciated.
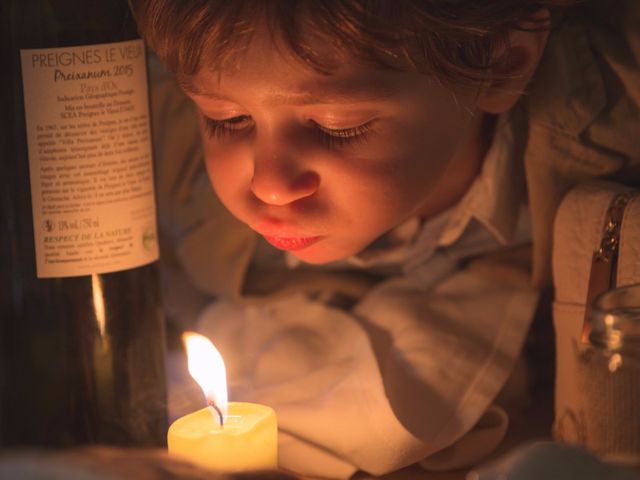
(89, 144)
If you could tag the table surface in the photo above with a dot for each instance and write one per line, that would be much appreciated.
(107, 463)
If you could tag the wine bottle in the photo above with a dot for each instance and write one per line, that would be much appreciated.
(81, 326)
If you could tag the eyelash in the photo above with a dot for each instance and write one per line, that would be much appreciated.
(232, 128)
(341, 137)
(229, 127)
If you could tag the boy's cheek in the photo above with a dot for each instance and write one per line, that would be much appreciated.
(230, 181)
(224, 156)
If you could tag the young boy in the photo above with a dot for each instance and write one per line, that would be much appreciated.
(388, 150)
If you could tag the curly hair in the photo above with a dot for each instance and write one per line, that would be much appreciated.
(455, 40)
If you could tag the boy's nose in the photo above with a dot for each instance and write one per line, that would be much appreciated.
(279, 182)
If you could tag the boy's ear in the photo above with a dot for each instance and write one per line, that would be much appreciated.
(514, 66)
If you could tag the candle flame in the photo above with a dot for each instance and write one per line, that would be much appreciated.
(207, 368)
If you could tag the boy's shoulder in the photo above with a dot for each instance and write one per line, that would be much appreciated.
(584, 112)
(588, 81)
(590, 68)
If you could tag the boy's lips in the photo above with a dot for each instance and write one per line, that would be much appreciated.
(285, 235)
(291, 243)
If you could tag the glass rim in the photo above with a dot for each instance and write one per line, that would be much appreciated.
(615, 318)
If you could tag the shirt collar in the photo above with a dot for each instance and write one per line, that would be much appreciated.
(495, 196)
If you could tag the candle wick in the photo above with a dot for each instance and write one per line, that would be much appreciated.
(215, 407)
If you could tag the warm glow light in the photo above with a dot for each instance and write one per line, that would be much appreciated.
(207, 368)
(240, 436)
(98, 303)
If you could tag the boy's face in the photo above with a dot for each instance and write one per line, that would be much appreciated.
(322, 165)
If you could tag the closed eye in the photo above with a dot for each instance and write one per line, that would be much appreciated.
(227, 127)
(335, 137)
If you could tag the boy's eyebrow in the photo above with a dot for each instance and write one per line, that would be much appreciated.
(341, 95)
(315, 96)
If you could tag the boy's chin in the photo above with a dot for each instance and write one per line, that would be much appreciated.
(320, 256)
(315, 259)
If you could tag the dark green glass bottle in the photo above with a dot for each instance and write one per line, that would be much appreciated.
(82, 338)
